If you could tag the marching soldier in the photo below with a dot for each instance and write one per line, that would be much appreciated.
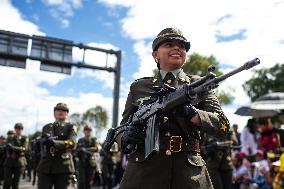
(178, 163)
(15, 162)
(2, 157)
(58, 139)
(86, 148)
(217, 155)
(10, 134)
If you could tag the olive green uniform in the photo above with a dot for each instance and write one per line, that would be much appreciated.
(2, 159)
(15, 162)
(56, 163)
(219, 164)
(87, 161)
(184, 169)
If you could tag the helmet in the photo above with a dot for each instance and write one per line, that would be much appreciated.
(87, 127)
(10, 132)
(61, 106)
(18, 126)
(170, 34)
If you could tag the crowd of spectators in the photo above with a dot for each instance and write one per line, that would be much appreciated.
(259, 163)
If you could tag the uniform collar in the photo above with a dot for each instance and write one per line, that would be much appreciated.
(174, 72)
(180, 75)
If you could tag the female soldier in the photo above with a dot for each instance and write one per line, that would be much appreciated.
(178, 163)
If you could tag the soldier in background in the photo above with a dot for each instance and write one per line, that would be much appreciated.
(35, 158)
(2, 157)
(15, 162)
(58, 139)
(86, 147)
(217, 155)
(10, 134)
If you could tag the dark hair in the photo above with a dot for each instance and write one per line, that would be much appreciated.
(263, 121)
(250, 125)
(158, 66)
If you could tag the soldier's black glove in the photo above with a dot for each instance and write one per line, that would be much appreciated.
(132, 136)
(49, 142)
(82, 150)
(187, 111)
(10, 147)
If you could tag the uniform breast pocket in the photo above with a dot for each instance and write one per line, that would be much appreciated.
(195, 160)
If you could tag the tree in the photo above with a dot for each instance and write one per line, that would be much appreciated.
(95, 117)
(265, 80)
(197, 64)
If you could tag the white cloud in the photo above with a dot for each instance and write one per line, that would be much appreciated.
(99, 59)
(22, 97)
(63, 9)
(10, 17)
(201, 21)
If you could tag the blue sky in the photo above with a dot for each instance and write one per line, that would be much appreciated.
(233, 31)
(91, 22)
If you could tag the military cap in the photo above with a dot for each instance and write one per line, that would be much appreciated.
(10, 132)
(2, 137)
(61, 106)
(18, 126)
(170, 34)
(87, 127)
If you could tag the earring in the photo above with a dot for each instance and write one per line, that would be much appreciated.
(156, 60)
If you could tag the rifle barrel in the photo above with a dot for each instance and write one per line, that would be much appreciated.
(246, 66)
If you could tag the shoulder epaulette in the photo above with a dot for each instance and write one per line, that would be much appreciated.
(48, 125)
(143, 78)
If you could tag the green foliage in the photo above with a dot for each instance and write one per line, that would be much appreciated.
(95, 117)
(224, 97)
(265, 80)
(197, 64)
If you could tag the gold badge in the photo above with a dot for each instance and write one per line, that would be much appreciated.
(223, 127)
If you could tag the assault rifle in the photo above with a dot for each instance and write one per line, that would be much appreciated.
(45, 144)
(165, 100)
(6, 148)
(219, 145)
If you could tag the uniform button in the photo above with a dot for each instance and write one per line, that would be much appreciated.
(165, 119)
(136, 159)
(168, 134)
(168, 153)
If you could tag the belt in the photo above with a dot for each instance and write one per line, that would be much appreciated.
(176, 143)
